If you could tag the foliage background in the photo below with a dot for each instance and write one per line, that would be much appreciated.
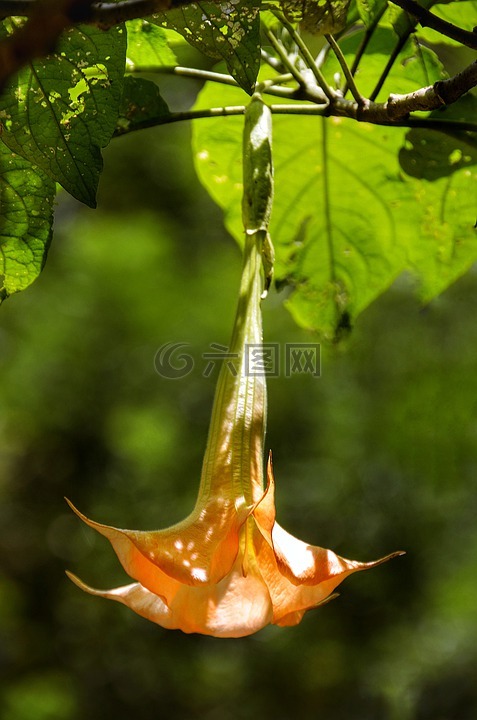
(378, 454)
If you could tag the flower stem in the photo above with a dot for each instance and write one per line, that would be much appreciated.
(235, 442)
(234, 453)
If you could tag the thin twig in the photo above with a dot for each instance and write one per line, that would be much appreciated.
(180, 117)
(393, 110)
(365, 41)
(282, 54)
(274, 62)
(226, 111)
(277, 80)
(193, 73)
(307, 56)
(391, 60)
(271, 86)
(463, 131)
(373, 113)
(344, 66)
(428, 19)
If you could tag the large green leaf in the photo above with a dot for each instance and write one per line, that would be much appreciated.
(318, 16)
(60, 111)
(228, 30)
(369, 10)
(26, 217)
(142, 105)
(347, 219)
(148, 45)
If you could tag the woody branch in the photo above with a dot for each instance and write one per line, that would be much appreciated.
(47, 19)
(428, 19)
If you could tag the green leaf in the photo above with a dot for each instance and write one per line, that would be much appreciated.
(60, 111)
(446, 245)
(142, 105)
(269, 20)
(463, 111)
(228, 31)
(318, 16)
(26, 217)
(347, 220)
(148, 45)
(369, 10)
(435, 155)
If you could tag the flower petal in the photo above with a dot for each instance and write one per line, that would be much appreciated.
(301, 576)
(199, 550)
(264, 511)
(235, 607)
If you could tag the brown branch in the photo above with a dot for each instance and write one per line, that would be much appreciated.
(47, 19)
(37, 37)
(104, 14)
(443, 92)
(428, 19)
(398, 107)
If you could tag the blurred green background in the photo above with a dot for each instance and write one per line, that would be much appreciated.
(378, 454)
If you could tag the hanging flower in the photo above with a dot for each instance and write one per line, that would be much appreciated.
(229, 569)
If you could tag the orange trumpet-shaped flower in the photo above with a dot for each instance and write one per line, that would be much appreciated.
(228, 569)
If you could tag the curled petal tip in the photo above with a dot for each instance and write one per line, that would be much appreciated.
(328, 599)
(384, 559)
(82, 586)
(92, 524)
(75, 510)
(397, 553)
(79, 583)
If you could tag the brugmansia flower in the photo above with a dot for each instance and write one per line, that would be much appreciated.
(229, 569)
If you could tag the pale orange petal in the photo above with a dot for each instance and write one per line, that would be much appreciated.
(296, 617)
(235, 607)
(199, 550)
(142, 601)
(301, 576)
(264, 511)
